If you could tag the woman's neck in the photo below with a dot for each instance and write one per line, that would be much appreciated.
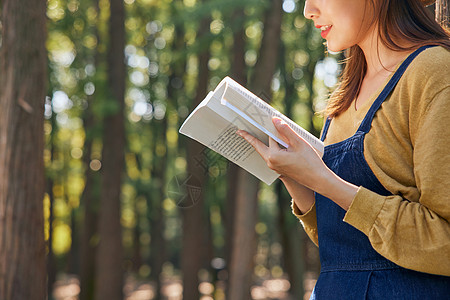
(381, 61)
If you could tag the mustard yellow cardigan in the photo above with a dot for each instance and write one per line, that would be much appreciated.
(408, 149)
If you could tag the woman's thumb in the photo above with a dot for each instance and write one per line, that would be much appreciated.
(285, 130)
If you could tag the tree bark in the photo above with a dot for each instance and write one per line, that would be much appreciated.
(109, 282)
(443, 12)
(22, 94)
(155, 211)
(88, 205)
(89, 198)
(268, 55)
(238, 70)
(244, 237)
(292, 239)
(51, 265)
(194, 219)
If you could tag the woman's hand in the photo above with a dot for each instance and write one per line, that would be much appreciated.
(299, 161)
(302, 163)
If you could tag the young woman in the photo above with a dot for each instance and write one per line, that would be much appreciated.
(378, 203)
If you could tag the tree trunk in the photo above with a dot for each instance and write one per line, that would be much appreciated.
(88, 205)
(244, 237)
(51, 265)
(136, 253)
(89, 198)
(22, 94)
(193, 217)
(109, 270)
(268, 55)
(292, 240)
(155, 209)
(238, 67)
(239, 74)
(443, 12)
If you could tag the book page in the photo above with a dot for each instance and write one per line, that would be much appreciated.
(252, 122)
(218, 133)
(237, 117)
(262, 113)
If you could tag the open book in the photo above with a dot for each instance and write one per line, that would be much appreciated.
(230, 107)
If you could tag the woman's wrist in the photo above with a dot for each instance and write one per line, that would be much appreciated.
(328, 184)
(302, 196)
(338, 190)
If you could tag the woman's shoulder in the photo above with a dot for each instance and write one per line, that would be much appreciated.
(432, 63)
(428, 74)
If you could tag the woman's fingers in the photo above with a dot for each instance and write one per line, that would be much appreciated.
(273, 155)
(259, 146)
(286, 131)
(273, 144)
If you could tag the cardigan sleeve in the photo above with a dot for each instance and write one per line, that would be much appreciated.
(308, 220)
(415, 235)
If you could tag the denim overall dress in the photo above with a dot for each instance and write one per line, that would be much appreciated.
(350, 267)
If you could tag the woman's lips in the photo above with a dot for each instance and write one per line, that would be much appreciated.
(325, 30)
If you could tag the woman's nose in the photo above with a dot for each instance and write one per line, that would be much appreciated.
(310, 11)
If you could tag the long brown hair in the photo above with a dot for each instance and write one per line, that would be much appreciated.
(398, 21)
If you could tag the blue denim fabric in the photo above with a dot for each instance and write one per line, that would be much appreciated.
(350, 267)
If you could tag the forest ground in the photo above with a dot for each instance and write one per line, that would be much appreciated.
(67, 288)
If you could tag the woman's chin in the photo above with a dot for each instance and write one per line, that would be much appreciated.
(334, 48)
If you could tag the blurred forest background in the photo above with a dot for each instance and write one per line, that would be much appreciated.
(132, 209)
(173, 235)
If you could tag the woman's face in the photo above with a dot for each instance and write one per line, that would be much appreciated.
(343, 23)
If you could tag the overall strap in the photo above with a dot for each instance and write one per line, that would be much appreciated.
(325, 129)
(367, 122)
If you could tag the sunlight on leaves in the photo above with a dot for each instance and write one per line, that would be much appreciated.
(61, 238)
